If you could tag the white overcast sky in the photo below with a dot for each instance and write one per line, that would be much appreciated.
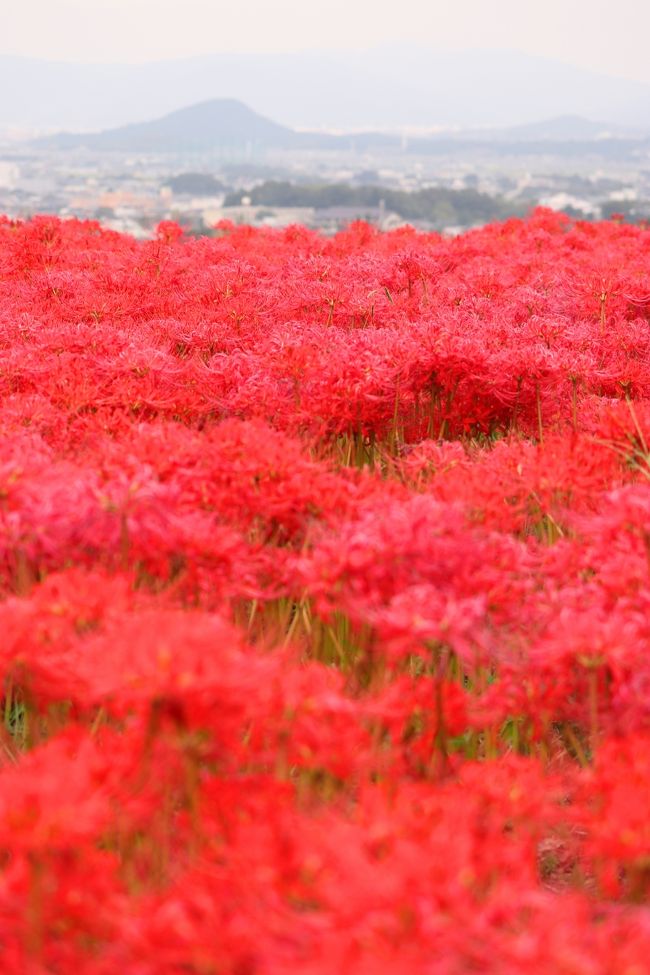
(612, 36)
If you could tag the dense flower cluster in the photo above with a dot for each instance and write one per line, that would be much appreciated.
(325, 601)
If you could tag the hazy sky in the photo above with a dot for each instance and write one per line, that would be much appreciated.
(612, 37)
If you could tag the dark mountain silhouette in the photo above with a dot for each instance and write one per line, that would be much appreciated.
(218, 123)
(228, 124)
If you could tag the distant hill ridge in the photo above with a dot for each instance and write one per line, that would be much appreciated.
(569, 127)
(218, 121)
(227, 123)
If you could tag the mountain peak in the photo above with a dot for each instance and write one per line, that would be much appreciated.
(226, 122)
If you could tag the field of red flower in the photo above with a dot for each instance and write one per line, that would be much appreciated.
(325, 601)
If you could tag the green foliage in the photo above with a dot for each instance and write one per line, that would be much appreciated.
(436, 205)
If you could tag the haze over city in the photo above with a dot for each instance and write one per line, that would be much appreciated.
(132, 112)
